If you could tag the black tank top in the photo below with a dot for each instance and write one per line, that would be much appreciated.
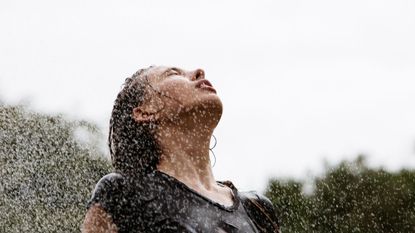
(159, 202)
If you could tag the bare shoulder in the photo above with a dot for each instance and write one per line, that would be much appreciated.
(98, 221)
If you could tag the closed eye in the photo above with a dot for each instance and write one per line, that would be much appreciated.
(174, 71)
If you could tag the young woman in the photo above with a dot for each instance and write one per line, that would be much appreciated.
(160, 130)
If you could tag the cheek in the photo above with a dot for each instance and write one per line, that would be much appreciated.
(178, 89)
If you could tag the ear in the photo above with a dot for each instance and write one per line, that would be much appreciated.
(142, 115)
(149, 111)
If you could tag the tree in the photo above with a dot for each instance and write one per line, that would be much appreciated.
(350, 197)
(294, 208)
(47, 171)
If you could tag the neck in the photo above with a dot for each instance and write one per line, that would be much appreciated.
(185, 155)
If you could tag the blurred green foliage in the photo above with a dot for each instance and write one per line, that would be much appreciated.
(48, 168)
(349, 197)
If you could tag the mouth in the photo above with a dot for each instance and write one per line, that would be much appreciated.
(205, 84)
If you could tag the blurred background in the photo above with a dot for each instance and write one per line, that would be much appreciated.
(309, 88)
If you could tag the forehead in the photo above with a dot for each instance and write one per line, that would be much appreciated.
(154, 70)
(155, 73)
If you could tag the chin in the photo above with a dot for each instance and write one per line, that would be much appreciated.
(213, 107)
(207, 106)
(212, 102)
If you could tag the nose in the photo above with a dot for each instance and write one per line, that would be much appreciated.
(198, 74)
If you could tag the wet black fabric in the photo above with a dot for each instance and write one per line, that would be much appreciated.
(159, 202)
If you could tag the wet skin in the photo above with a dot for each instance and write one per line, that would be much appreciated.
(181, 96)
(186, 108)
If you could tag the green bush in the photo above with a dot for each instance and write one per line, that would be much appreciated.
(47, 172)
(350, 197)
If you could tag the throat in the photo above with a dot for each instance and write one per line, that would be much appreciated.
(195, 174)
(185, 155)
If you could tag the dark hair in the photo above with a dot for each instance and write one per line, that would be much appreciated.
(132, 145)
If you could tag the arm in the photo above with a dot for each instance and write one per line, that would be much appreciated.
(104, 205)
(98, 221)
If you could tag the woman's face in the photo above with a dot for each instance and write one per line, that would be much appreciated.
(181, 92)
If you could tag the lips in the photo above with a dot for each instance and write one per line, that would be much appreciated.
(205, 84)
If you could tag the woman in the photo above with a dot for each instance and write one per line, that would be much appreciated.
(160, 130)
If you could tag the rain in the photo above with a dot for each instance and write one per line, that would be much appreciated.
(307, 113)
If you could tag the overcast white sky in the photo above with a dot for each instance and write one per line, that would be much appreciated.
(301, 81)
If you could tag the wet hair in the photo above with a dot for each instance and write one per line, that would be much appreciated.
(132, 145)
